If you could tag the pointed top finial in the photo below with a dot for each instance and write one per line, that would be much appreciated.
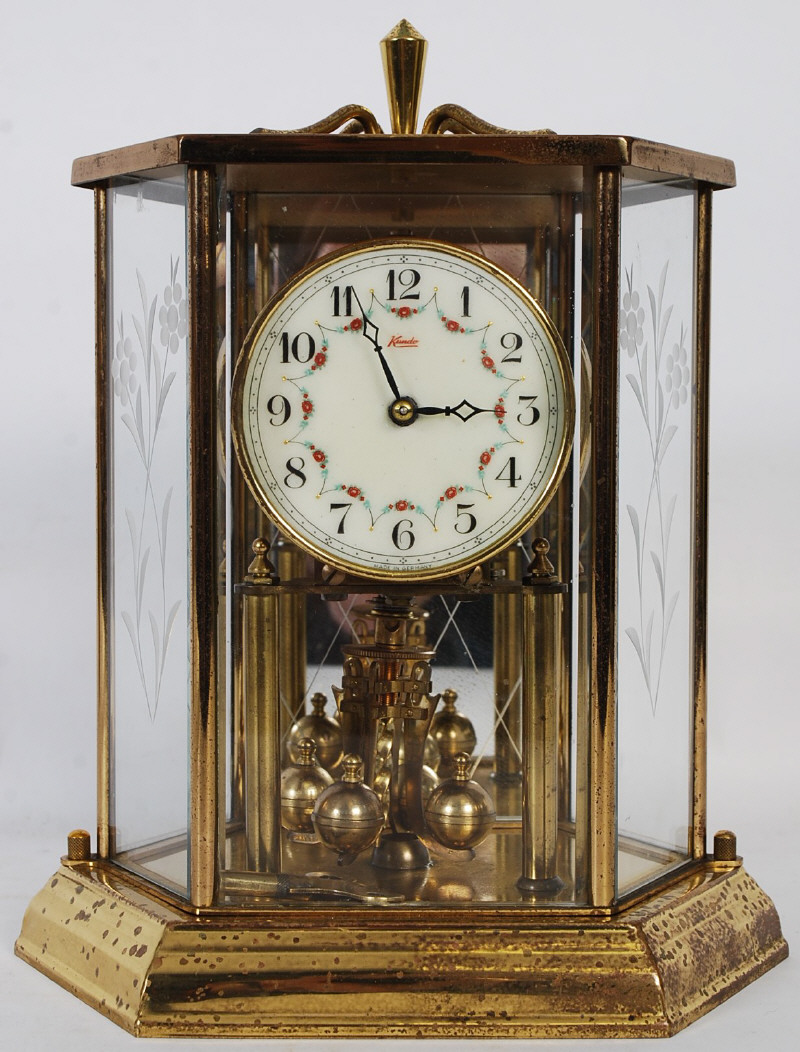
(404, 50)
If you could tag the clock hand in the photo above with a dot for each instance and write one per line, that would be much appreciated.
(370, 331)
(464, 410)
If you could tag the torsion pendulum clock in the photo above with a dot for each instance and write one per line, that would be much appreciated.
(402, 483)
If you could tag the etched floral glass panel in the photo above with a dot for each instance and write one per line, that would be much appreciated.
(655, 529)
(148, 507)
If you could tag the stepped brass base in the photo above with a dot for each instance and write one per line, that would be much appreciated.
(345, 971)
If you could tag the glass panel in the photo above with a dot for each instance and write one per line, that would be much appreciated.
(477, 645)
(148, 487)
(656, 528)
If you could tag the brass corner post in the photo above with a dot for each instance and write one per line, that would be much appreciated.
(203, 560)
(605, 232)
(699, 640)
(404, 51)
(104, 546)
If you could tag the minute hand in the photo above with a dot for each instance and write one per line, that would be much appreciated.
(464, 411)
(370, 331)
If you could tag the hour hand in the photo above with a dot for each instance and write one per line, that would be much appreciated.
(464, 410)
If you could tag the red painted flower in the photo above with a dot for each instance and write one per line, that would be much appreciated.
(355, 324)
(319, 456)
(319, 359)
(486, 458)
(307, 406)
(453, 326)
(450, 492)
(402, 505)
(353, 491)
(404, 312)
(487, 362)
(500, 410)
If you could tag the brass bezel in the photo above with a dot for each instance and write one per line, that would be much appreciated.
(497, 544)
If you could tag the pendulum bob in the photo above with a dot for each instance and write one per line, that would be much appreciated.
(348, 816)
(324, 731)
(453, 733)
(301, 784)
(460, 813)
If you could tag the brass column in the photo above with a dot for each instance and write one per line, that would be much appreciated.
(543, 683)
(507, 617)
(262, 716)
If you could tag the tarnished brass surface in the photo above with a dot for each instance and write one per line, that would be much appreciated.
(203, 565)
(542, 149)
(340, 970)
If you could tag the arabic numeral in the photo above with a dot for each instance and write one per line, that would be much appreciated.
(302, 347)
(295, 478)
(530, 414)
(342, 297)
(511, 342)
(407, 280)
(465, 520)
(279, 410)
(509, 473)
(344, 508)
(465, 302)
(402, 537)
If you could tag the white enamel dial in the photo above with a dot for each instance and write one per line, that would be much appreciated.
(403, 409)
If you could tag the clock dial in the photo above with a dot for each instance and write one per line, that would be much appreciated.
(403, 409)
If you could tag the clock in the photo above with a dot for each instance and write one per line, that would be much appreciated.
(335, 472)
(403, 408)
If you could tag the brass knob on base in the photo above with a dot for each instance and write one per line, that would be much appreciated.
(348, 815)
(301, 785)
(460, 813)
(79, 846)
(724, 846)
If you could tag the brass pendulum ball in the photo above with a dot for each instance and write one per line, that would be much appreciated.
(348, 815)
(301, 784)
(325, 731)
(453, 733)
(459, 812)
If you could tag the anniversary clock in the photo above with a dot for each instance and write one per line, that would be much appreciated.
(402, 482)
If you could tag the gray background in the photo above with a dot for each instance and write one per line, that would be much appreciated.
(83, 77)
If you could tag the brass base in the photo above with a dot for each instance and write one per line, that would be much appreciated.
(346, 971)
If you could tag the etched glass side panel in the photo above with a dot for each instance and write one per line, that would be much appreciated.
(655, 529)
(148, 498)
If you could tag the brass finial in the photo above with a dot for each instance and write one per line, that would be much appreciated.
(261, 570)
(403, 50)
(540, 567)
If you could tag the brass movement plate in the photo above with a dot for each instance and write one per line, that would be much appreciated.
(286, 972)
